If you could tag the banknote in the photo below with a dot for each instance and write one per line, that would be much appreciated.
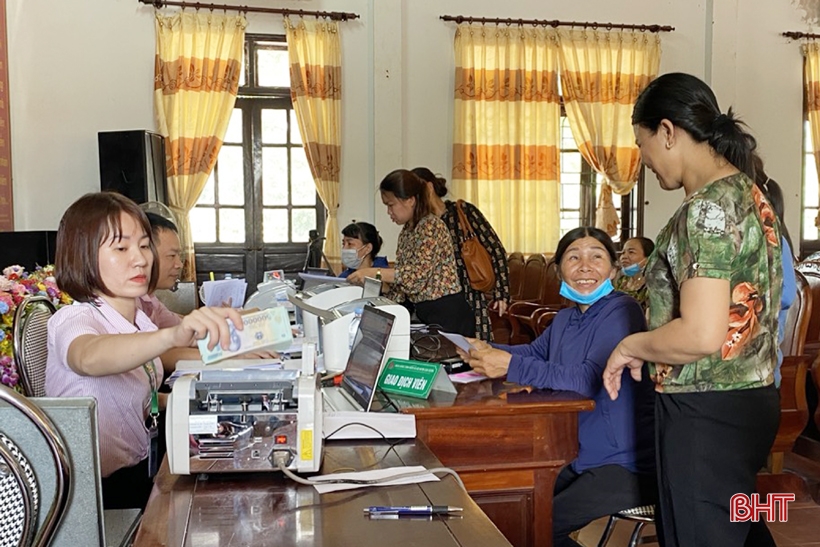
(263, 330)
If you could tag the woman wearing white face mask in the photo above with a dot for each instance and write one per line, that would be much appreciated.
(633, 259)
(361, 243)
(614, 469)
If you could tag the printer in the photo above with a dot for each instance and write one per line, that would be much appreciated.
(324, 297)
(335, 331)
(222, 420)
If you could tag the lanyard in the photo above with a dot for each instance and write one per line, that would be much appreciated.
(152, 380)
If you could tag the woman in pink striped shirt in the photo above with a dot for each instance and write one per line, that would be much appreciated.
(105, 347)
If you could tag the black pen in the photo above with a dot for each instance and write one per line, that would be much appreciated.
(412, 510)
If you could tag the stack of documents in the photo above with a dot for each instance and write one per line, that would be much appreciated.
(229, 293)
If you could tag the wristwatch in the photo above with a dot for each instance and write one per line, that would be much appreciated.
(379, 274)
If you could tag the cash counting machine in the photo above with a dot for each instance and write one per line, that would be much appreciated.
(234, 420)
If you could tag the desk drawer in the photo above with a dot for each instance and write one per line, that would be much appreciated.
(501, 440)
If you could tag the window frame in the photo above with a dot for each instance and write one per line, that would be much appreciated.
(249, 259)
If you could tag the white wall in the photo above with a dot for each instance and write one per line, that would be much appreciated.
(81, 67)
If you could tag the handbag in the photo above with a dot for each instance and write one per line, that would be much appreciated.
(477, 260)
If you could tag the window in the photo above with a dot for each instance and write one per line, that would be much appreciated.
(260, 203)
(580, 185)
(809, 236)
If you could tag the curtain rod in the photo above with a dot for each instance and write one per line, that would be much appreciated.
(555, 23)
(797, 35)
(333, 15)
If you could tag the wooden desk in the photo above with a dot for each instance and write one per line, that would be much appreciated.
(268, 509)
(508, 445)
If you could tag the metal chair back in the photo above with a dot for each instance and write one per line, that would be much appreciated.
(62, 465)
(19, 499)
(30, 341)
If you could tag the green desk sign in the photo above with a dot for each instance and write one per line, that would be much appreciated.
(414, 378)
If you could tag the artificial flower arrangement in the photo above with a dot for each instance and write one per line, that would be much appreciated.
(15, 285)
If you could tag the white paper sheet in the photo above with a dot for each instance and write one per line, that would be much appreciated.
(374, 474)
(457, 339)
(224, 292)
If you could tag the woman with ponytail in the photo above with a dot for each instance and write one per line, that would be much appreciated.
(714, 285)
(499, 297)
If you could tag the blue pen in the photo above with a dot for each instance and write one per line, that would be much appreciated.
(412, 510)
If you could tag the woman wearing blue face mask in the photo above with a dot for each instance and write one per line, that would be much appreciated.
(614, 469)
(361, 243)
(633, 259)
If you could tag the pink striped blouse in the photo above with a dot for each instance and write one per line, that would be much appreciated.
(122, 399)
(157, 312)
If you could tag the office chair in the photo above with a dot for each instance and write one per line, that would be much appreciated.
(30, 342)
(59, 453)
(641, 516)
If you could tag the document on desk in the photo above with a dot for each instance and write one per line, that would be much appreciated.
(457, 339)
(224, 293)
(364, 478)
(321, 278)
(466, 377)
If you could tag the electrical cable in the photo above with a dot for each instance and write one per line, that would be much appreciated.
(281, 464)
(369, 482)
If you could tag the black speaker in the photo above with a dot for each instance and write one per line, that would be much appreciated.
(133, 164)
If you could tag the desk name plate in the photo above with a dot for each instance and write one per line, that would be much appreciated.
(414, 378)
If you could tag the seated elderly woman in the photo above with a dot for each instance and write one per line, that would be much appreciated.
(614, 469)
(630, 278)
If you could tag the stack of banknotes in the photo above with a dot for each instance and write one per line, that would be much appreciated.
(263, 330)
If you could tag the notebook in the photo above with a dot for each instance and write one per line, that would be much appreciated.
(364, 364)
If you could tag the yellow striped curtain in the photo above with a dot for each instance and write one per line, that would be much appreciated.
(196, 78)
(506, 133)
(316, 89)
(602, 74)
(811, 76)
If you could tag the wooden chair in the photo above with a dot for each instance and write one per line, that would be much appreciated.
(544, 320)
(515, 265)
(811, 273)
(533, 278)
(794, 413)
(30, 343)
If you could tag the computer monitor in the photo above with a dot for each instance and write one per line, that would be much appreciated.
(367, 355)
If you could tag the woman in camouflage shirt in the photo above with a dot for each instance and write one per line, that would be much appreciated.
(714, 285)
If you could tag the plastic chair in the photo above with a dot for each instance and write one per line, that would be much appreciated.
(30, 342)
(59, 453)
(641, 516)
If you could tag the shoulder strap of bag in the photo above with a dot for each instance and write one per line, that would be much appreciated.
(462, 220)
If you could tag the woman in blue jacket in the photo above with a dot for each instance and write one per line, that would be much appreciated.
(614, 469)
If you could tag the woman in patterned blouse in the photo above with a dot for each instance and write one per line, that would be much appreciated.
(425, 273)
(499, 298)
(714, 283)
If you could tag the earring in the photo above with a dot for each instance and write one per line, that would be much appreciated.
(668, 145)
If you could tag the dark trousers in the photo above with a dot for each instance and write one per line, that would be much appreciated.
(710, 446)
(580, 498)
(452, 313)
(127, 488)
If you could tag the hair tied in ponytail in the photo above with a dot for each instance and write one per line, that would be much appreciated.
(721, 120)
